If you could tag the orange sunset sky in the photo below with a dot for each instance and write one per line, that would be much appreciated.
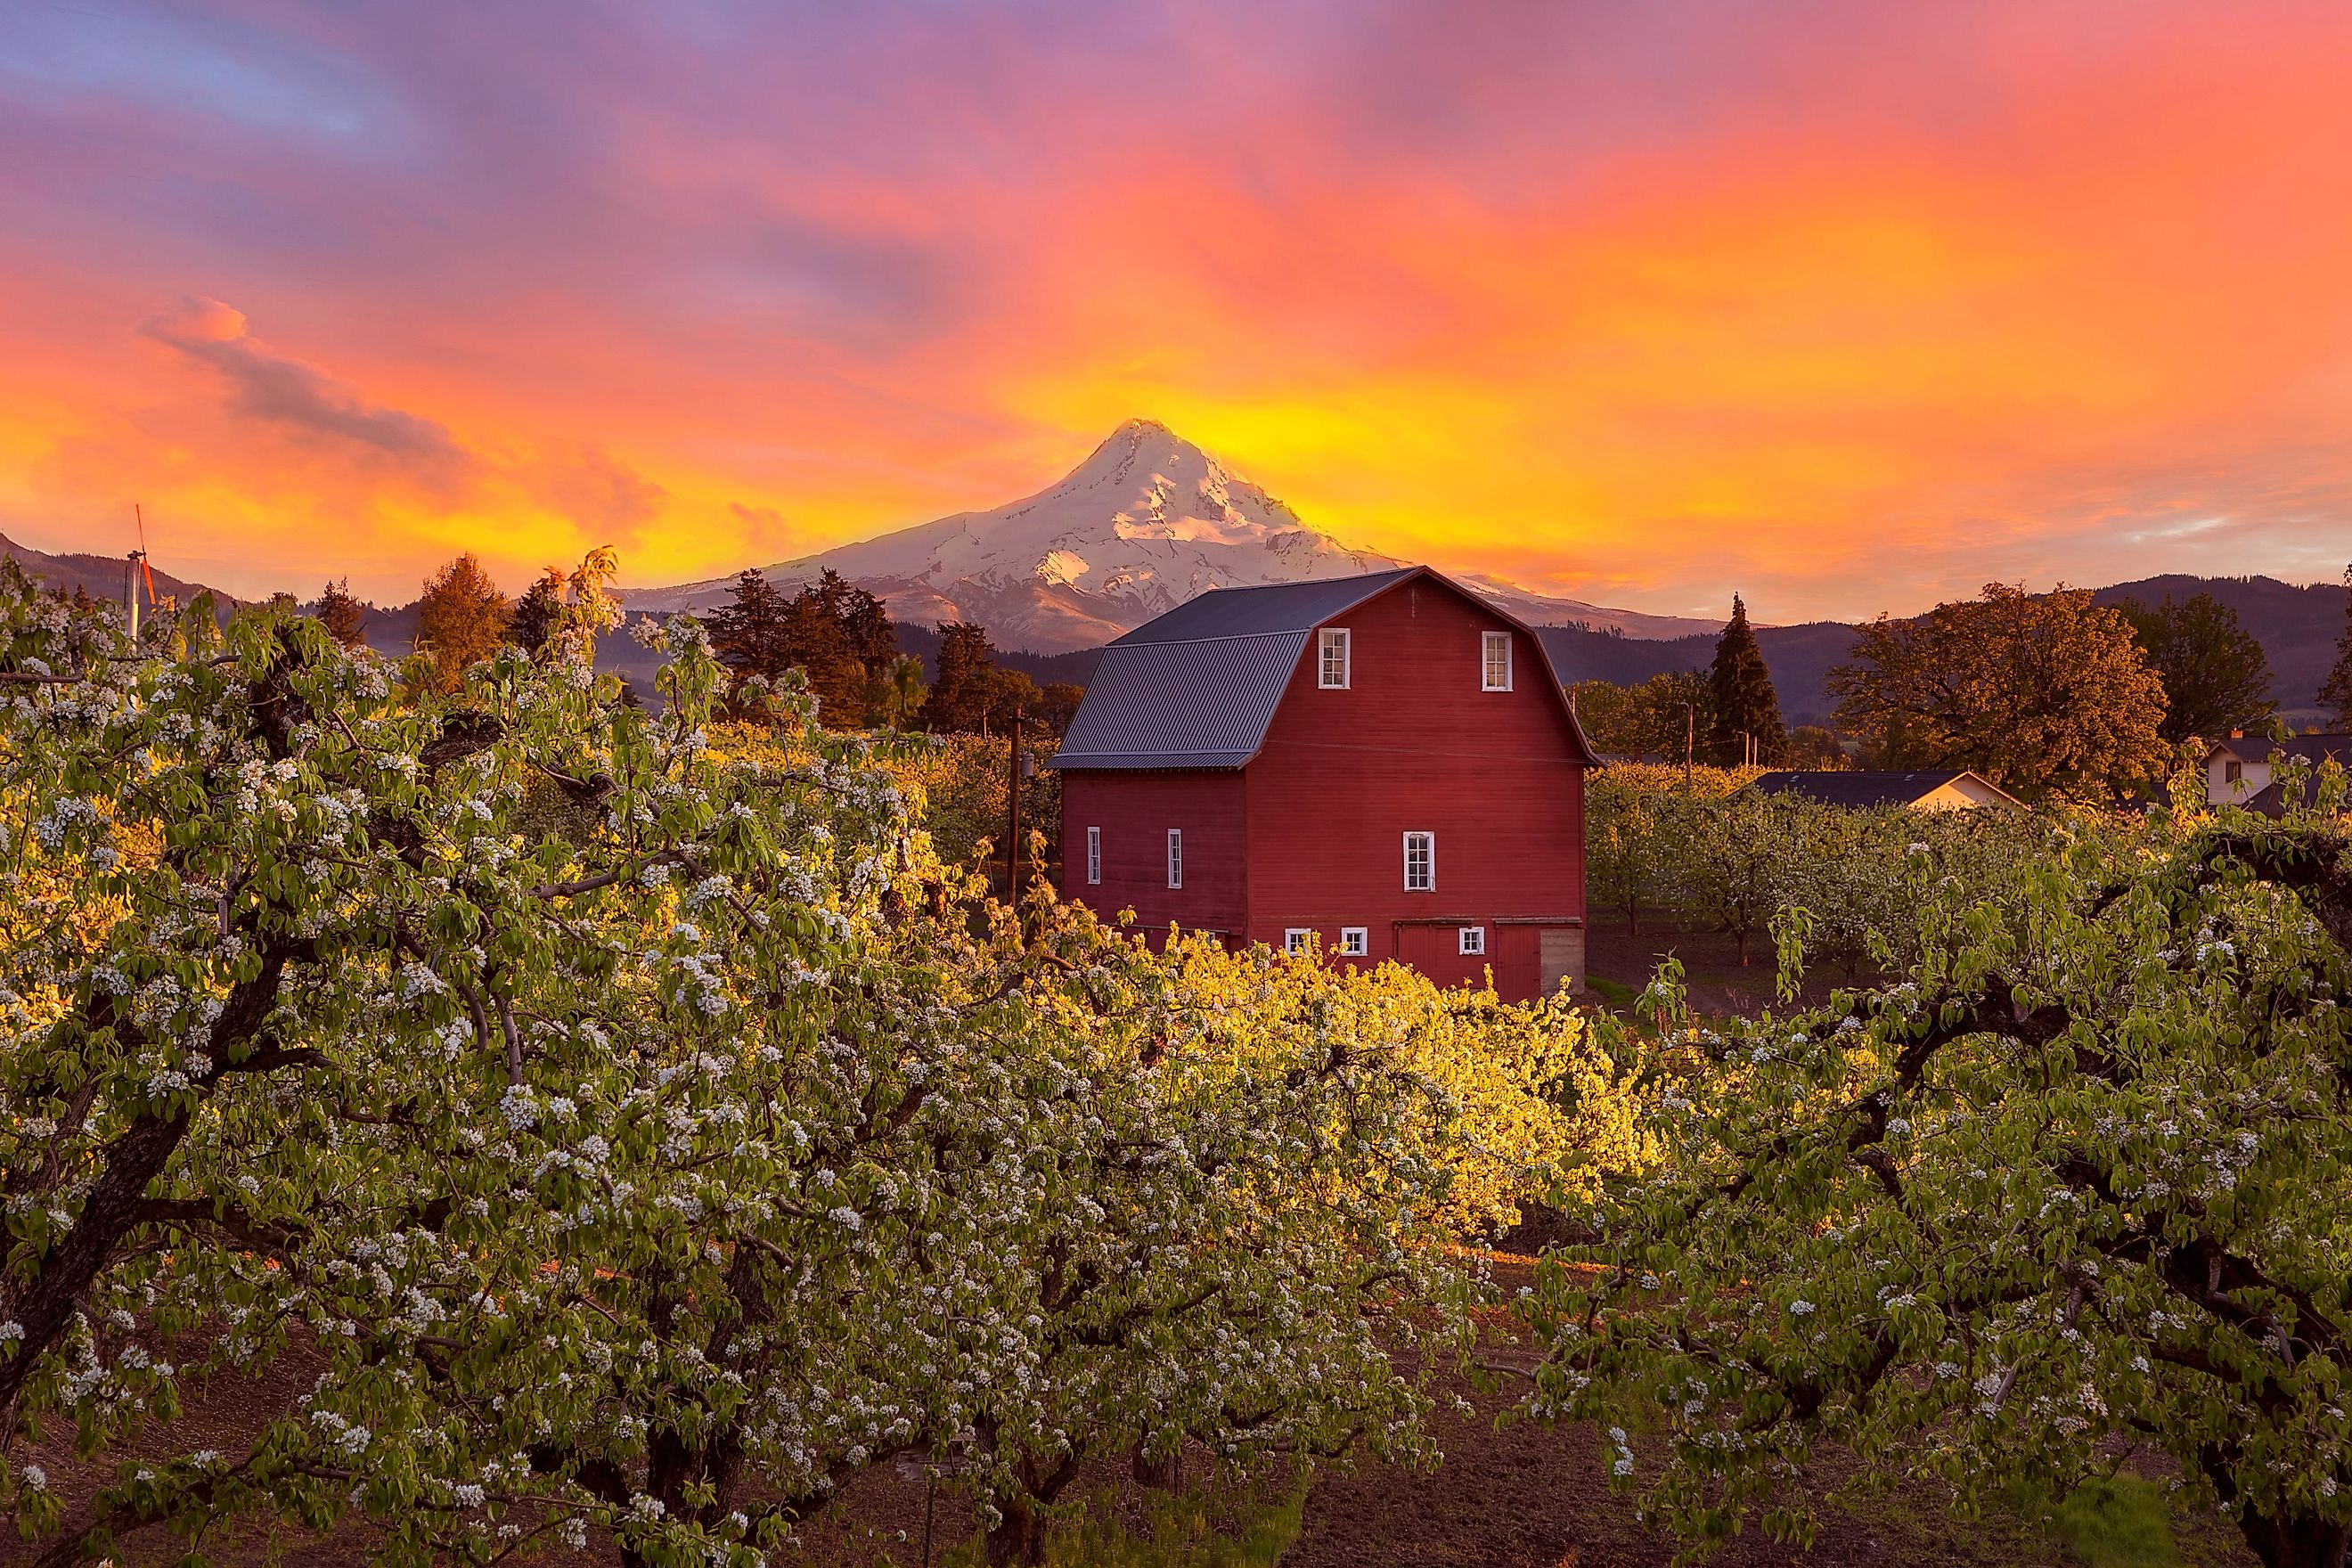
(1846, 306)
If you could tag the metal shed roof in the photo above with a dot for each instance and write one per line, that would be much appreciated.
(1197, 687)
(1861, 789)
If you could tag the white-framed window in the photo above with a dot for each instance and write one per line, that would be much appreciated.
(1472, 940)
(1331, 658)
(1175, 857)
(1495, 662)
(1094, 854)
(1421, 862)
(1296, 939)
(1354, 942)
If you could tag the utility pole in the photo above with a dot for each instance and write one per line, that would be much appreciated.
(1013, 815)
(1690, 742)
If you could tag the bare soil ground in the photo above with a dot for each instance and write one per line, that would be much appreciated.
(1719, 984)
(1510, 1496)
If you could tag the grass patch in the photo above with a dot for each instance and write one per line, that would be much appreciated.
(1615, 995)
(2117, 1522)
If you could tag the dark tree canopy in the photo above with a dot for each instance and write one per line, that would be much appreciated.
(538, 612)
(1058, 704)
(962, 692)
(1666, 716)
(834, 632)
(341, 615)
(2336, 691)
(2042, 693)
(461, 619)
(1746, 706)
(2216, 675)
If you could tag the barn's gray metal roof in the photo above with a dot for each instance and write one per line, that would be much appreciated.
(1197, 687)
(1256, 612)
(1203, 703)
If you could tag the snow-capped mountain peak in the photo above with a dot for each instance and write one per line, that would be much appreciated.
(1145, 522)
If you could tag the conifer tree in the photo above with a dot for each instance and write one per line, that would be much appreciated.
(961, 690)
(537, 612)
(834, 632)
(341, 614)
(2337, 690)
(461, 619)
(748, 631)
(1746, 705)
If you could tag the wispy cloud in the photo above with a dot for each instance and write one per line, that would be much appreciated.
(286, 391)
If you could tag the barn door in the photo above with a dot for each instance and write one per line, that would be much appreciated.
(1428, 949)
(1561, 956)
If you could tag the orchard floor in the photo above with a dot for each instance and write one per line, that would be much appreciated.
(1520, 1496)
(1620, 964)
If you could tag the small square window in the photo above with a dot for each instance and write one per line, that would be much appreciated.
(1495, 665)
(1297, 939)
(1472, 940)
(1421, 862)
(1331, 648)
(1093, 856)
(2233, 771)
(1354, 942)
(1175, 857)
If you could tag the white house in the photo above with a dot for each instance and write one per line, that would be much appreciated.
(2240, 769)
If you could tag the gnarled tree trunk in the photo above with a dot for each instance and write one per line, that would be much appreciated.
(2296, 1541)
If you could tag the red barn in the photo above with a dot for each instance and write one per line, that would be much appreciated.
(1386, 762)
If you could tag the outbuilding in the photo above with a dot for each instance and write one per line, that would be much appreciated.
(1863, 790)
(1385, 765)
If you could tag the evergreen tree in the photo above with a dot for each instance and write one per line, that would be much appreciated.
(2216, 675)
(341, 614)
(1746, 706)
(842, 637)
(461, 619)
(961, 690)
(748, 633)
(835, 633)
(2337, 690)
(538, 612)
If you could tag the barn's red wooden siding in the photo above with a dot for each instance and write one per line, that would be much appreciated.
(1310, 833)
(1135, 811)
(1414, 744)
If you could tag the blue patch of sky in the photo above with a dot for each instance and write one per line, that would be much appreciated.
(52, 52)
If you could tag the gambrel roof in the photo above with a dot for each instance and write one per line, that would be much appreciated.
(1196, 687)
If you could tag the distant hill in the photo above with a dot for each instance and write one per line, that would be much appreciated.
(2297, 628)
(1077, 667)
(1800, 658)
(100, 576)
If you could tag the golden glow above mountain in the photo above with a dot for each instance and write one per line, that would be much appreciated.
(1850, 306)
